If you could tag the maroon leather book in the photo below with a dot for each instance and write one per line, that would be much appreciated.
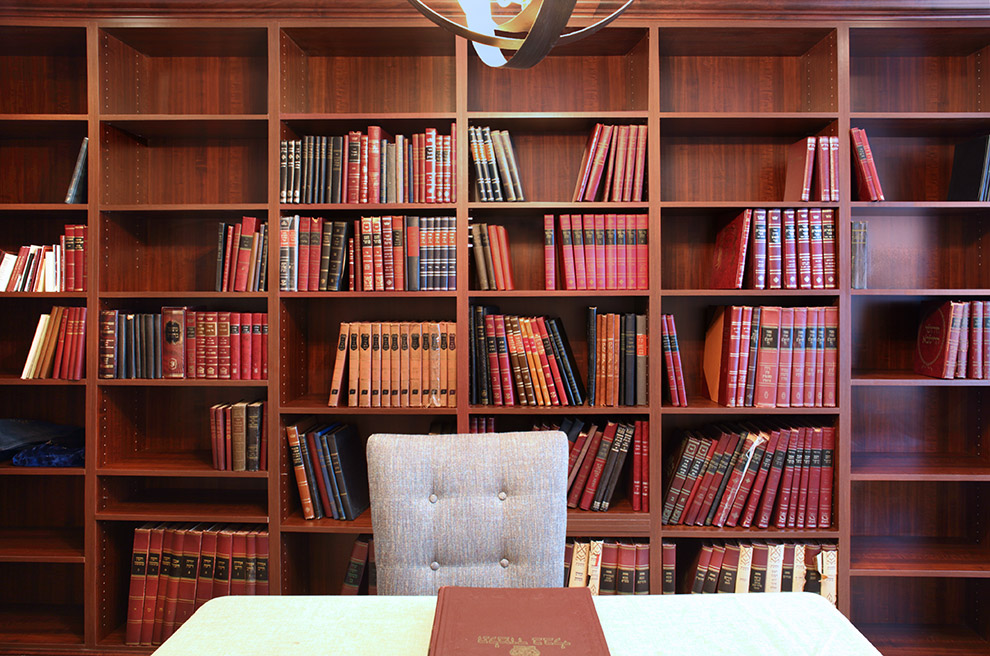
(800, 164)
(817, 249)
(598, 467)
(799, 487)
(758, 254)
(680, 465)
(814, 478)
(690, 497)
(135, 595)
(831, 356)
(775, 240)
(714, 469)
(244, 246)
(810, 358)
(730, 252)
(938, 340)
(479, 621)
(188, 574)
(790, 249)
(152, 573)
(767, 358)
(804, 249)
(825, 497)
(742, 361)
(962, 356)
(784, 357)
(822, 184)
(574, 496)
(678, 369)
(207, 560)
(975, 365)
(828, 249)
(757, 491)
(783, 494)
(668, 358)
(750, 474)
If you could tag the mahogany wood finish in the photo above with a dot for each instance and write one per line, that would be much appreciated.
(185, 104)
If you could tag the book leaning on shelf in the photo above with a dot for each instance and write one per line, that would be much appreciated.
(58, 267)
(369, 168)
(785, 249)
(954, 340)
(494, 157)
(771, 566)
(867, 179)
(330, 469)
(239, 436)
(597, 462)
(772, 357)
(748, 475)
(812, 170)
(613, 167)
(182, 342)
(597, 251)
(373, 253)
(521, 361)
(176, 568)
(76, 193)
(58, 349)
(242, 256)
(399, 364)
(617, 362)
(607, 566)
(492, 264)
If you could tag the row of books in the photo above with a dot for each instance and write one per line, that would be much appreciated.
(369, 168)
(867, 179)
(788, 249)
(361, 575)
(242, 256)
(239, 436)
(772, 357)
(617, 371)
(521, 360)
(492, 265)
(813, 170)
(58, 267)
(58, 349)
(181, 342)
(672, 362)
(764, 567)
(406, 364)
(176, 568)
(486, 424)
(496, 173)
(330, 468)
(607, 566)
(615, 155)
(745, 475)
(374, 253)
(597, 462)
(954, 340)
(598, 251)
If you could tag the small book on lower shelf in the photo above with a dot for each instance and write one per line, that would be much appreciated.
(608, 566)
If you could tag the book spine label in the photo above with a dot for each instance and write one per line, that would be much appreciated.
(173, 342)
(767, 358)
(804, 249)
(817, 249)
(759, 249)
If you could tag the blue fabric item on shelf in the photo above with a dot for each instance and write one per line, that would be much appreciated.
(16, 434)
(50, 454)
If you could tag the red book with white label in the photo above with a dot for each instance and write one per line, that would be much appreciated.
(567, 252)
(643, 251)
(586, 223)
(817, 249)
(804, 249)
(767, 358)
(758, 251)
(789, 221)
(549, 253)
(798, 355)
(784, 358)
(774, 250)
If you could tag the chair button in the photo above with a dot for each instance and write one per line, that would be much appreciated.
(433, 498)
(502, 496)
(434, 565)
(504, 562)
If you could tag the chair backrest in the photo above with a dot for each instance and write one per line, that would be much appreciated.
(483, 510)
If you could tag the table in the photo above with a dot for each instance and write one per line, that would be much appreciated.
(785, 624)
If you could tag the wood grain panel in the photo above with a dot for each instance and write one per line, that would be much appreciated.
(24, 495)
(49, 64)
(919, 625)
(64, 588)
(21, 320)
(884, 332)
(315, 564)
(37, 159)
(918, 509)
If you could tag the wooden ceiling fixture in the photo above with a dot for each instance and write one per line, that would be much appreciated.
(528, 35)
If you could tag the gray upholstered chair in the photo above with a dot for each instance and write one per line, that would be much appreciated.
(484, 510)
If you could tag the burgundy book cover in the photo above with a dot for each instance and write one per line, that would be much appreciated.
(828, 249)
(730, 252)
(742, 362)
(258, 321)
(800, 164)
(586, 224)
(621, 279)
(763, 517)
(135, 595)
(388, 254)
(668, 358)
(315, 249)
(790, 249)
(757, 490)
(798, 343)
(817, 249)
(567, 252)
(804, 249)
(261, 549)
(669, 565)
(822, 185)
(238, 563)
(549, 254)
(621, 158)
(712, 472)
(710, 586)
(737, 476)
(587, 161)
(599, 225)
(598, 467)
(975, 365)
(152, 572)
(799, 488)
(825, 496)
(189, 572)
(246, 343)
(635, 481)
(611, 251)
(574, 496)
(494, 374)
(871, 164)
(191, 345)
(478, 621)
(244, 245)
(775, 240)
(831, 356)
(784, 357)
(767, 358)
(986, 339)
(157, 619)
(577, 239)
(865, 189)
(690, 490)
(235, 345)
(962, 356)
(810, 358)
(598, 162)
(676, 474)
(678, 369)
(783, 494)
(642, 249)
(172, 585)
(814, 479)
(207, 560)
(820, 358)
(221, 565)
(758, 254)
(750, 477)
(700, 570)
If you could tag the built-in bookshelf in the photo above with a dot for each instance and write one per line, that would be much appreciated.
(185, 119)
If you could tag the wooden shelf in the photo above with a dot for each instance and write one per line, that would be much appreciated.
(366, 208)
(954, 293)
(52, 295)
(924, 639)
(710, 532)
(13, 379)
(557, 293)
(193, 464)
(918, 557)
(761, 293)
(297, 524)
(558, 410)
(910, 379)
(370, 296)
(618, 521)
(310, 404)
(918, 467)
(201, 510)
(42, 546)
(8, 469)
(37, 626)
(699, 405)
(179, 382)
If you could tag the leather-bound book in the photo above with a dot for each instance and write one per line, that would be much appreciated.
(135, 597)
(669, 557)
(730, 252)
(800, 164)
(938, 339)
(477, 621)
(151, 584)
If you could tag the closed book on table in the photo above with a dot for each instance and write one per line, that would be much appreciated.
(471, 621)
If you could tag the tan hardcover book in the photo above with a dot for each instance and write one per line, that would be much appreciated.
(238, 436)
(513, 330)
(395, 375)
(579, 565)
(595, 565)
(744, 568)
(386, 365)
(47, 354)
(376, 364)
(353, 365)
(441, 358)
(800, 568)
(451, 364)
(600, 372)
(364, 364)
(415, 365)
(536, 365)
(340, 359)
(828, 564)
(426, 398)
(437, 367)
(31, 362)
(525, 335)
(404, 365)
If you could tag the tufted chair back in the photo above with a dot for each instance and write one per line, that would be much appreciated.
(483, 510)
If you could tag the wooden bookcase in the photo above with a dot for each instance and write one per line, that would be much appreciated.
(184, 118)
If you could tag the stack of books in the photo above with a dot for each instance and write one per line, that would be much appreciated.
(58, 349)
(813, 170)
(496, 172)
(617, 370)
(242, 256)
(597, 462)
(58, 267)
(607, 566)
(239, 436)
(598, 251)
(614, 164)
(330, 468)
(954, 340)
(492, 264)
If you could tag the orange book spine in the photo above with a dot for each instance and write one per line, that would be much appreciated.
(292, 434)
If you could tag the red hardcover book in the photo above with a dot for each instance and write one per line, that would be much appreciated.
(790, 249)
(599, 242)
(642, 251)
(173, 342)
(574, 497)
(157, 619)
(800, 164)
(82, 257)
(825, 496)
(577, 239)
(811, 359)
(229, 257)
(244, 345)
(742, 365)
(871, 164)
(611, 251)
(504, 367)
(751, 471)
(975, 367)
(549, 253)
(833, 167)
(822, 185)
(60, 368)
(235, 345)
(645, 491)
(986, 339)
(245, 242)
(388, 255)
(315, 249)
(731, 326)
(261, 551)
(135, 595)
(938, 340)
(152, 573)
(804, 250)
(221, 564)
(693, 481)
(758, 252)
(864, 179)
(629, 171)
(696, 499)
(172, 584)
(640, 173)
(742, 464)
(586, 223)
(294, 434)
(621, 161)
(963, 350)
(207, 561)
(776, 481)
(430, 164)
(830, 356)
(757, 491)
(211, 353)
(668, 357)
(798, 356)
(503, 252)
(785, 357)
(817, 249)
(635, 481)
(22, 255)
(814, 479)
(192, 345)
(767, 356)
(189, 572)
(820, 357)
(375, 136)
(799, 490)
(791, 470)
(676, 475)
(730, 252)
(587, 161)
(608, 435)
(223, 345)
(238, 563)
(79, 357)
(678, 370)
(551, 375)
(494, 373)
(598, 162)
(363, 180)
(258, 319)
(377, 253)
(774, 250)
(567, 248)
(828, 249)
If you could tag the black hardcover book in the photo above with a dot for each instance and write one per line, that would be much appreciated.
(221, 246)
(76, 192)
(156, 344)
(132, 347)
(263, 274)
(305, 159)
(754, 344)
(335, 154)
(621, 364)
(474, 377)
(722, 475)
(283, 152)
(297, 168)
(563, 348)
(629, 373)
(412, 253)
(351, 469)
(252, 441)
(325, 241)
(970, 164)
(321, 187)
(121, 368)
(592, 350)
(338, 255)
